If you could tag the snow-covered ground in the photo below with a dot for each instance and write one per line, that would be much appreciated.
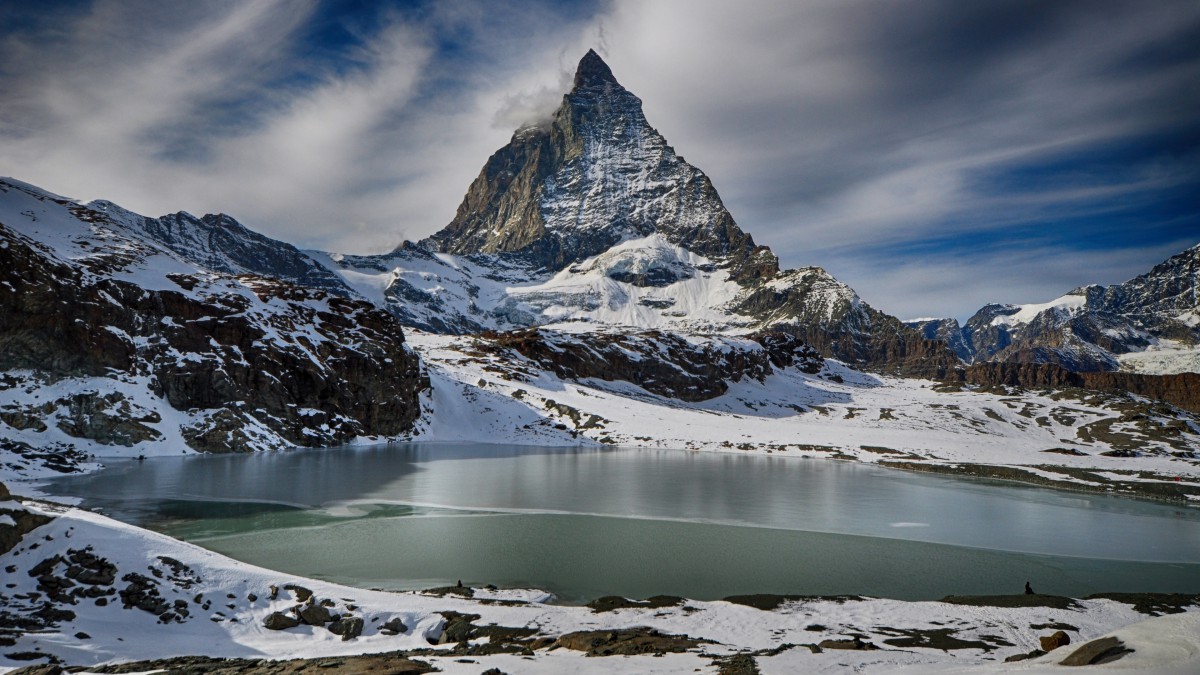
(479, 395)
(218, 607)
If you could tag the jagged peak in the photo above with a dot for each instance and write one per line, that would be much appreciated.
(593, 71)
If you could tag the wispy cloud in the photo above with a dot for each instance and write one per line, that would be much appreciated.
(223, 107)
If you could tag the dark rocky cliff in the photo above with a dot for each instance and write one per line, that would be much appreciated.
(239, 355)
(1182, 390)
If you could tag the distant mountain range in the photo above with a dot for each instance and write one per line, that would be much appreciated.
(1148, 324)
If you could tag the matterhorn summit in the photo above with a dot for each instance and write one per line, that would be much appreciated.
(594, 175)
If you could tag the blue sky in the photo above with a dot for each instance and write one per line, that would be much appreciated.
(936, 155)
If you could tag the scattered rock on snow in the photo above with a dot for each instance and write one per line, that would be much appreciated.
(393, 626)
(627, 642)
(855, 643)
(1054, 641)
(302, 594)
(315, 615)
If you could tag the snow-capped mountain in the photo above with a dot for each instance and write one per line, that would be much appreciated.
(591, 216)
(1149, 324)
(111, 341)
(221, 244)
(594, 175)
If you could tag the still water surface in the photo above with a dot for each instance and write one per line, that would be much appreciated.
(589, 522)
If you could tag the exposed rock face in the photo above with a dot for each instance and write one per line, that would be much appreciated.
(253, 361)
(1182, 390)
(109, 419)
(667, 364)
(23, 521)
(829, 315)
(946, 330)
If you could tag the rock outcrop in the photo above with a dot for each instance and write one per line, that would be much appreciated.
(1182, 390)
(688, 369)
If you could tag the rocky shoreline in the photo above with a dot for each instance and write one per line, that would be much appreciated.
(1142, 485)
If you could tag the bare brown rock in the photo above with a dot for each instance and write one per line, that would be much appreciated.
(1053, 641)
(1182, 390)
(1104, 650)
(627, 642)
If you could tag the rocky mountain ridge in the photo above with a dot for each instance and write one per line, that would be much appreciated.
(1149, 324)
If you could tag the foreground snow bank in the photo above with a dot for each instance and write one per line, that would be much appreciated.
(85, 590)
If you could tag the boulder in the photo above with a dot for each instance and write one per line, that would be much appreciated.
(393, 626)
(458, 627)
(302, 594)
(1103, 650)
(280, 621)
(349, 627)
(1054, 641)
(315, 615)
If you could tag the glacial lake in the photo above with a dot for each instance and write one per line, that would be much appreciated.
(586, 522)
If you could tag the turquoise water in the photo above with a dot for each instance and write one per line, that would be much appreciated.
(590, 522)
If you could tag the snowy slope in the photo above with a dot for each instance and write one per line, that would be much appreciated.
(450, 293)
(219, 243)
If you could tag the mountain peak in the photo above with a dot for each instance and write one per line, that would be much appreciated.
(593, 71)
(596, 175)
